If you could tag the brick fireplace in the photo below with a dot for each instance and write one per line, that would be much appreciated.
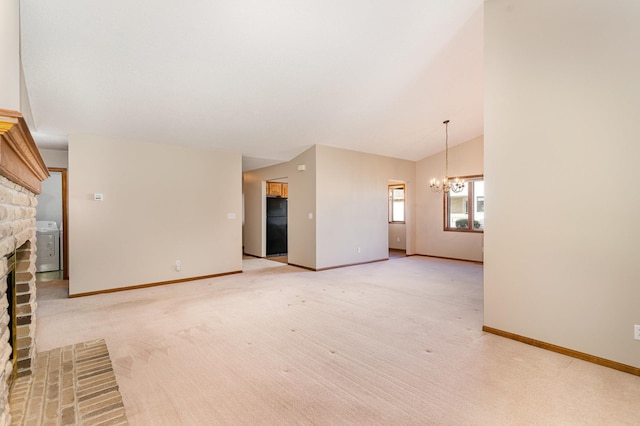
(21, 173)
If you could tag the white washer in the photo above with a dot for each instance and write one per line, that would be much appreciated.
(47, 246)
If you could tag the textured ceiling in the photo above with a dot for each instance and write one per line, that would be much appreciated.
(267, 78)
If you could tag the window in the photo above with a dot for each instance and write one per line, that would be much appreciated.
(396, 203)
(464, 210)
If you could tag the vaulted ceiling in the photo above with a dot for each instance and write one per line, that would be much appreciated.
(267, 78)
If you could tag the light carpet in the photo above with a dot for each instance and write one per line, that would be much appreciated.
(394, 343)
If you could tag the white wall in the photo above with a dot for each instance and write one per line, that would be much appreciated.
(10, 54)
(562, 102)
(397, 236)
(50, 199)
(55, 158)
(162, 203)
(302, 201)
(345, 192)
(352, 206)
(465, 159)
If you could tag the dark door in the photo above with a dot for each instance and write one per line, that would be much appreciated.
(276, 226)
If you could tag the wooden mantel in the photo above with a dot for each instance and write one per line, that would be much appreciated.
(20, 160)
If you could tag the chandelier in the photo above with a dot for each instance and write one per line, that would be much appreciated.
(455, 185)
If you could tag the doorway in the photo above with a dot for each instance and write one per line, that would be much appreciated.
(52, 208)
(277, 207)
(397, 202)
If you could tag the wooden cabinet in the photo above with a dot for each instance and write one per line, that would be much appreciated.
(274, 189)
(277, 189)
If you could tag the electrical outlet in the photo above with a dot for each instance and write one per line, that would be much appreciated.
(358, 249)
(636, 331)
(178, 265)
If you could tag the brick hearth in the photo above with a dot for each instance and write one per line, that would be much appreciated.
(70, 385)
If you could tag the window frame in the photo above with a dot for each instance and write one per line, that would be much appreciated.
(390, 188)
(470, 202)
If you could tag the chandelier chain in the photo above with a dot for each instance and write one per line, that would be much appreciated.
(446, 185)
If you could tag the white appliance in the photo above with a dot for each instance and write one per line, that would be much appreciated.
(47, 246)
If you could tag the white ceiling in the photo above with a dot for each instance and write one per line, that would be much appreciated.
(267, 78)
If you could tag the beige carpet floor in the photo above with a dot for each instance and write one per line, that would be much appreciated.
(390, 343)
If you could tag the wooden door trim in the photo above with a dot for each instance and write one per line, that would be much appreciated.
(65, 222)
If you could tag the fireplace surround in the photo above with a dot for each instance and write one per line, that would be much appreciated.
(21, 172)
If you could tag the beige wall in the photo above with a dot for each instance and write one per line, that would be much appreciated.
(10, 54)
(398, 236)
(352, 206)
(339, 203)
(561, 152)
(465, 159)
(55, 158)
(301, 203)
(162, 203)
